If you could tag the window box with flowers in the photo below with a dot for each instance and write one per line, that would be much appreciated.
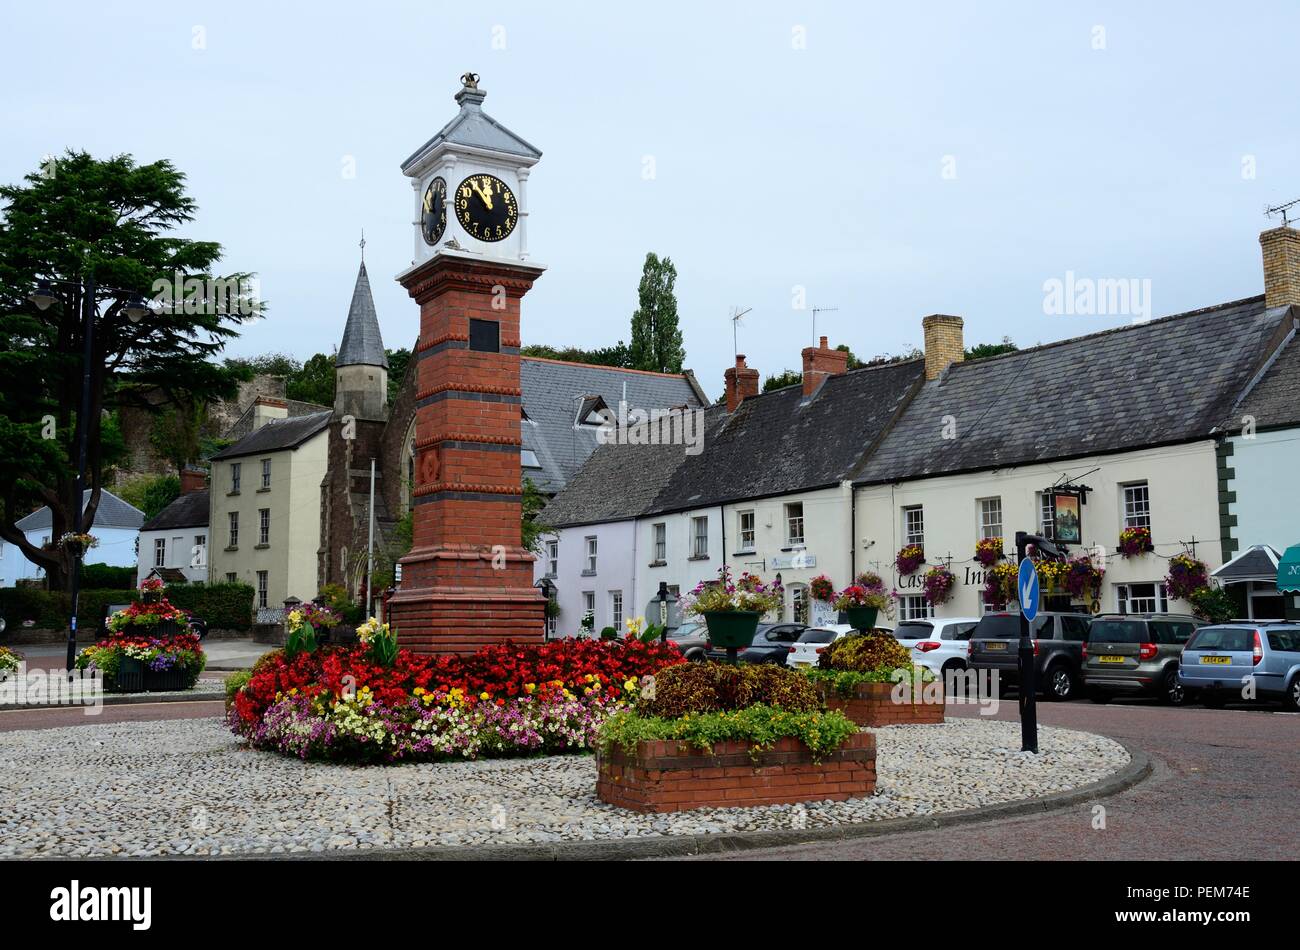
(1135, 542)
(909, 558)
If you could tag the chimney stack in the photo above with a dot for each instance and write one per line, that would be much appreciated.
(943, 343)
(192, 480)
(742, 383)
(1281, 247)
(820, 362)
(266, 408)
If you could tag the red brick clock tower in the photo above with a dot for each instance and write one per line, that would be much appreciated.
(467, 581)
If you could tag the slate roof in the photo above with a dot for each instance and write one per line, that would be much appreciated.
(554, 390)
(474, 128)
(1257, 563)
(1275, 399)
(112, 512)
(296, 407)
(778, 442)
(362, 343)
(277, 435)
(1162, 382)
(189, 510)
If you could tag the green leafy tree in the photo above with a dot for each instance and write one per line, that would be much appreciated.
(150, 493)
(177, 431)
(313, 381)
(788, 378)
(113, 221)
(531, 531)
(398, 361)
(982, 350)
(656, 336)
(267, 364)
(617, 355)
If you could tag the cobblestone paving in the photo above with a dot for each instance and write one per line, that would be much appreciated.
(188, 787)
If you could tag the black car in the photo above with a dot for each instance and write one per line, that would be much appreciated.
(692, 638)
(1058, 650)
(771, 644)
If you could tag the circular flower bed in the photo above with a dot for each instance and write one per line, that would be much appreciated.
(9, 662)
(354, 704)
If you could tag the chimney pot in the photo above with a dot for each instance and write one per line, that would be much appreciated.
(266, 408)
(742, 383)
(192, 480)
(820, 362)
(1281, 249)
(943, 343)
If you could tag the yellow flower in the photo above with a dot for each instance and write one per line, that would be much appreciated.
(529, 687)
(484, 695)
(630, 685)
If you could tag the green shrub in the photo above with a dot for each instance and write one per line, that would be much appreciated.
(235, 682)
(222, 606)
(107, 577)
(719, 687)
(761, 726)
(866, 653)
(608, 633)
(845, 682)
(1212, 604)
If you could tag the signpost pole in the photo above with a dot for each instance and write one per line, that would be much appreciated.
(1027, 583)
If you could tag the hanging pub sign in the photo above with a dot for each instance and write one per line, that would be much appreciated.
(1067, 517)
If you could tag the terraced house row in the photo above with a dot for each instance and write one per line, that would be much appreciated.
(1187, 426)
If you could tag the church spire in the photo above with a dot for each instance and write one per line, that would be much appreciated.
(362, 343)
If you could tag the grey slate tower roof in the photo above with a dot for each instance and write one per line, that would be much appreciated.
(473, 128)
(362, 343)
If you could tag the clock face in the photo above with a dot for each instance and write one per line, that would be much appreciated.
(485, 208)
(433, 216)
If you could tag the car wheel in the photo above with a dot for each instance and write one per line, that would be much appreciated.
(1293, 694)
(1060, 684)
(1099, 696)
(1171, 691)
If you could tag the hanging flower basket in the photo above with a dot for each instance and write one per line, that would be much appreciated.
(1082, 578)
(1186, 576)
(821, 588)
(909, 558)
(937, 585)
(871, 581)
(78, 544)
(1134, 542)
(988, 551)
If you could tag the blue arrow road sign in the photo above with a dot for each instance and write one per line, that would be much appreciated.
(1027, 585)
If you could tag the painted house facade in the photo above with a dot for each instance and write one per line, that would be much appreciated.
(834, 477)
(117, 526)
(174, 542)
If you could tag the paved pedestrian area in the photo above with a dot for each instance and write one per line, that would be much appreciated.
(187, 786)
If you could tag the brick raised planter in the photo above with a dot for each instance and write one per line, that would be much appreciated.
(673, 776)
(872, 705)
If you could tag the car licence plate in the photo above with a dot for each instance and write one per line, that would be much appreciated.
(1216, 659)
(995, 645)
(1110, 659)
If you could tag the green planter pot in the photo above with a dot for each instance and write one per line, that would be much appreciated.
(732, 629)
(862, 618)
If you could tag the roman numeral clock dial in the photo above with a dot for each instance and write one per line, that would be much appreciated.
(486, 208)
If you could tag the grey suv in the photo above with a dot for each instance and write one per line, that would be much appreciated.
(1136, 655)
(1058, 649)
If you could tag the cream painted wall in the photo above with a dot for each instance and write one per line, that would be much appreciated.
(289, 557)
(1183, 489)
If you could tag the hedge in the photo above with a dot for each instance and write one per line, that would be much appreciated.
(222, 606)
(107, 577)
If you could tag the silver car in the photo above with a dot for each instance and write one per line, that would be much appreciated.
(1242, 661)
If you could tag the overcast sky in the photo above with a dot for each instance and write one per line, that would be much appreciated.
(892, 159)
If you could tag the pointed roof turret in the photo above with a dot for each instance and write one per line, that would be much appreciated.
(362, 343)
